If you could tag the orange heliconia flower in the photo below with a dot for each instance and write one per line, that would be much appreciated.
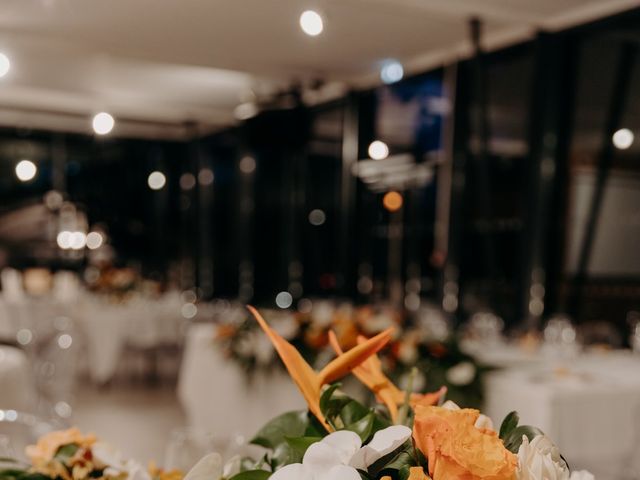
(370, 373)
(306, 378)
(455, 448)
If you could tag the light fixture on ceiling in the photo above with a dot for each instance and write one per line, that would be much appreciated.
(103, 123)
(378, 150)
(392, 201)
(391, 71)
(311, 23)
(623, 138)
(26, 170)
(156, 180)
(5, 65)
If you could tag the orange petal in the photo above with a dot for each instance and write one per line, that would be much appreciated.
(370, 373)
(428, 399)
(417, 473)
(348, 361)
(301, 372)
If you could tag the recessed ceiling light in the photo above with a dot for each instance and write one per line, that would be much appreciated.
(103, 123)
(311, 23)
(391, 71)
(378, 150)
(5, 65)
(623, 138)
(156, 180)
(26, 170)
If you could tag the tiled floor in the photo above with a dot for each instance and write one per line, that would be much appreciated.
(137, 420)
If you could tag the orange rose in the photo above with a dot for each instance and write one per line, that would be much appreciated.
(457, 450)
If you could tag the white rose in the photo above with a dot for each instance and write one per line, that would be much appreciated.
(540, 458)
(107, 456)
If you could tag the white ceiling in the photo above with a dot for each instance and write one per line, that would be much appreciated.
(167, 62)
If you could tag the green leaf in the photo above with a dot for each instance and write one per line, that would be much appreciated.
(353, 411)
(363, 427)
(290, 424)
(325, 398)
(298, 446)
(509, 423)
(252, 475)
(66, 452)
(513, 440)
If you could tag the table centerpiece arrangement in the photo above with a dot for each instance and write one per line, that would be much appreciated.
(403, 436)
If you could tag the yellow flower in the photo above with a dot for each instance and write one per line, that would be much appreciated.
(456, 449)
(158, 473)
(371, 375)
(309, 381)
(47, 446)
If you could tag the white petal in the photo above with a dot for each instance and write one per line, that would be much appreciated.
(449, 405)
(484, 422)
(209, 467)
(320, 457)
(295, 471)
(345, 443)
(339, 472)
(383, 442)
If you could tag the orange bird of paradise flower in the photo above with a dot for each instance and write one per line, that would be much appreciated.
(371, 375)
(309, 381)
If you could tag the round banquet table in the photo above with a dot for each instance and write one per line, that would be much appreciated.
(17, 389)
(217, 395)
(589, 406)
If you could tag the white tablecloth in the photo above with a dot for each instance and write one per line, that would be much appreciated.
(589, 406)
(17, 389)
(218, 397)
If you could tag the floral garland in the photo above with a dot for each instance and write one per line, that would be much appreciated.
(436, 355)
(405, 436)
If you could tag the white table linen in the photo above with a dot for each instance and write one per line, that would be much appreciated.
(589, 406)
(218, 397)
(17, 388)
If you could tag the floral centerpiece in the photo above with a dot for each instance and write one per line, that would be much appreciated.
(415, 344)
(404, 436)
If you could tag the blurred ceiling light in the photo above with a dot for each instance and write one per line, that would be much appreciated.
(94, 240)
(392, 201)
(156, 180)
(378, 150)
(245, 111)
(284, 300)
(247, 165)
(317, 217)
(623, 138)
(311, 23)
(26, 170)
(103, 123)
(205, 177)
(187, 181)
(64, 239)
(391, 72)
(5, 65)
(78, 240)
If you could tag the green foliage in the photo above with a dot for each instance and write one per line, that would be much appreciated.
(287, 425)
(511, 433)
(252, 475)
(509, 423)
(66, 453)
